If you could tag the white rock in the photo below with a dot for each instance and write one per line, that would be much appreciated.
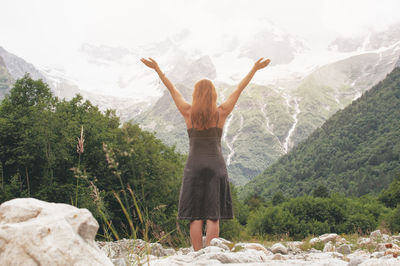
(184, 251)
(278, 256)
(344, 249)
(169, 251)
(377, 254)
(314, 240)
(124, 248)
(234, 257)
(181, 260)
(325, 238)
(386, 238)
(337, 255)
(278, 247)
(119, 262)
(313, 250)
(381, 262)
(318, 259)
(359, 254)
(380, 247)
(363, 241)
(255, 246)
(329, 247)
(294, 245)
(37, 232)
(143, 260)
(219, 242)
(157, 249)
(376, 235)
(209, 249)
(356, 261)
(396, 237)
(329, 237)
(205, 262)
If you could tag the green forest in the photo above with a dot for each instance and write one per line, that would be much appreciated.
(355, 152)
(344, 178)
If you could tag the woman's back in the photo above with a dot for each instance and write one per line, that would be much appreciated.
(205, 192)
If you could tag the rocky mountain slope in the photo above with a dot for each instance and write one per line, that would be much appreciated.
(355, 152)
(5, 78)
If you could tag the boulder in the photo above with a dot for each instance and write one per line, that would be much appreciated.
(220, 242)
(294, 245)
(156, 249)
(344, 249)
(314, 240)
(325, 238)
(329, 237)
(380, 247)
(364, 241)
(358, 257)
(381, 262)
(35, 232)
(329, 247)
(256, 246)
(279, 248)
(278, 256)
(396, 237)
(124, 247)
(243, 256)
(377, 254)
(376, 235)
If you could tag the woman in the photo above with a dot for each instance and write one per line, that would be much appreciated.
(205, 193)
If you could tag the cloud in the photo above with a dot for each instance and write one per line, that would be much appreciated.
(51, 32)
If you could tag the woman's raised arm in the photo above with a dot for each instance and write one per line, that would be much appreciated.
(227, 107)
(182, 105)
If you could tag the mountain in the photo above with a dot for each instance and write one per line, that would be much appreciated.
(271, 118)
(356, 151)
(5, 78)
(13, 67)
(373, 40)
(282, 106)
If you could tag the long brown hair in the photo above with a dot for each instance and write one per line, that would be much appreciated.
(204, 103)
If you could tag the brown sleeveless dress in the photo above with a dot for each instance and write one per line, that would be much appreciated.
(205, 192)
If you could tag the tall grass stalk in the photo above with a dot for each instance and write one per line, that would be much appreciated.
(109, 224)
(79, 150)
(112, 164)
(127, 215)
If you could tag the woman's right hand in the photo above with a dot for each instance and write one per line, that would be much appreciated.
(150, 63)
(260, 64)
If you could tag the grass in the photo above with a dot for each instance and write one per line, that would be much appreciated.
(138, 222)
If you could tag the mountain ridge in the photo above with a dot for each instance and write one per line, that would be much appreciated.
(355, 152)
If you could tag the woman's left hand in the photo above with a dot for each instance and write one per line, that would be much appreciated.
(260, 64)
(150, 63)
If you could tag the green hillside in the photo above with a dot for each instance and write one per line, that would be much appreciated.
(356, 151)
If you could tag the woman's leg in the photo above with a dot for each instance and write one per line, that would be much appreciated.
(212, 230)
(196, 234)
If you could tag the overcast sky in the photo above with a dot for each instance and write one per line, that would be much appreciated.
(50, 32)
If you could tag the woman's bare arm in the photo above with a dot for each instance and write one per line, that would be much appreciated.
(227, 107)
(182, 105)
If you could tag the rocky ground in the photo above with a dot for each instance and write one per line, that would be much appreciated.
(35, 232)
(328, 249)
